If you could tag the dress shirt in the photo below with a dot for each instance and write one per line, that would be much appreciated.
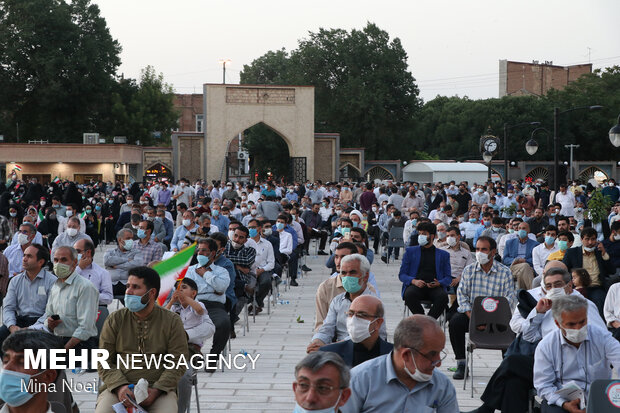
(64, 240)
(198, 327)
(501, 245)
(475, 282)
(459, 258)
(75, 300)
(286, 243)
(221, 222)
(469, 229)
(567, 201)
(178, 239)
(163, 197)
(265, 259)
(25, 298)
(62, 224)
(212, 285)
(100, 279)
(537, 325)
(556, 362)
(151, 251)
(243, 257)
(300, 232)
(335, 323)
(14, 254)
(375, 387)
(540, 253)
(122, 261)
(611, 309)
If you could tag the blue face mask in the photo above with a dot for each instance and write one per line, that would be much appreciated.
(134, 302)
(279, 225)
(97, 208)
(522, 233)
(472, 220)
(356, 224)
(215, 212)
(351, 284)
(519, 216)
(110, 201)
(141, 233)
(202, 260)
(253, 232)
(422, 240)
(549, 240)
(11, 387)
(414, 222)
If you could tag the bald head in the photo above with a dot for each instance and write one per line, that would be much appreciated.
(554, 264)
(368, 304)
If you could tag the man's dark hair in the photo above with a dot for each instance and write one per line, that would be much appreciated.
(182, 205)
(347, 245)
(220, 238)
(210, 242)
(551, 228)
(243, 229)
(89, 246)
(32, 339)
(149, 225)
(562, 218)
(361, 232)
(363, 247)
(568, 235)
(148, 275)
(136, 217)
(428, 227)
(42, 253)
(588, 232)
(491, 241)
(615, 226)
(190, 283)
(497, 220)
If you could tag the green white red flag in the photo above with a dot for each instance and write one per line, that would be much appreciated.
(173, 269)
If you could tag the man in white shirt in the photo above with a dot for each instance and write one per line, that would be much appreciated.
(263, 263)
(542, 251)
(88, 269)
(286, 239)
(567, 200)
(611, 309)
(183, 193)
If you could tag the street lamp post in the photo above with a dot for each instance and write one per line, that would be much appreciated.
(488, 157)
(506, 128)
(223, 62)
(556, 148)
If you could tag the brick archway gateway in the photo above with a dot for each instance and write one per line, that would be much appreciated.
(231, 109)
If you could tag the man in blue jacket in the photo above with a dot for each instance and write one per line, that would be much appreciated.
(425, 273)
(518, 256)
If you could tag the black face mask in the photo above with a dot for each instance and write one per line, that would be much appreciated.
(206, 229)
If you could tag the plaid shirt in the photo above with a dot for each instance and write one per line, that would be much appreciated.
(244, 257)
(475, 282)
(152, 251)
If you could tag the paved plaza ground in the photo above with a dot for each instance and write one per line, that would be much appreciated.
(281, 342)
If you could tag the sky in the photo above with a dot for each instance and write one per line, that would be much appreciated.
(453, 46)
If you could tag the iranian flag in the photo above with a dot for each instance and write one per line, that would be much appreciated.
(18, 167)
(56, 180)
(41, 216)
(173, 269)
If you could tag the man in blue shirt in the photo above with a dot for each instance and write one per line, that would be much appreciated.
(406, 380)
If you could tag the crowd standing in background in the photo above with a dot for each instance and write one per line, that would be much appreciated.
(462, 240)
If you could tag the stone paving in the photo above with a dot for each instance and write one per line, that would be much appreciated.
(281, 342)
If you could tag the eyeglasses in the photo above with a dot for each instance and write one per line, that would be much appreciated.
(432, 355)
(557, 284)
(322, 389)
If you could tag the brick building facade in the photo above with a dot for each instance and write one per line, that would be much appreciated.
(521, 79)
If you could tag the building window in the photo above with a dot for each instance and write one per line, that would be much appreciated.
(199, 122)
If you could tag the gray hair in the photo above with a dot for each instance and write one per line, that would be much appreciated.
(317, 360)
(567, 303)
(31, 228)
(75, 220)
(364, 263)
(121, 233)
(71, 250)
(566, 277)
(410, 331)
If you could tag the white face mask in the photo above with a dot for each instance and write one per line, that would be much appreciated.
(72, 232)
(417, 375)
(555, 293)
(358, 329)
(589, 249)
(422, 240)
(187, 222)
(576, 335)
(22, 239)
(231, 233)
(299, 409)
(69, 213)
(451, 241)
(617, 237)
(482, 258)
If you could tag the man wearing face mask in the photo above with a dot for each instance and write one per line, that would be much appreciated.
(541, 252)
(212, 281)
(407, 379)
(15, 253)
(321, 383)
(365, 318)
(264, 263)
(149, 249)
(486, 277)
(518, 255)
(354, 271)
(119, 260)
(188, 226)
(142, 327)
(577, 351)
(460, 257)
(63, 222)
(71, 235)
(74, 300)
(425, 273)
(243, 257)
(594, 258)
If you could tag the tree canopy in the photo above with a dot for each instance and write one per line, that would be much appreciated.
(58, 79)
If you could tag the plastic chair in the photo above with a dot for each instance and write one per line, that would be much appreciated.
(395, 240)
(604, 397)
(495, 314)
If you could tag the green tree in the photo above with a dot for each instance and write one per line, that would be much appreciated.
(363, 88)
(268, 152)
(57, 67)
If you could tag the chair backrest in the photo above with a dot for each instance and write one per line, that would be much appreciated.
(102, 314)
(395, 237)
(604, 396)
(494, 313)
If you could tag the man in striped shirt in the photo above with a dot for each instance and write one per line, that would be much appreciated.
(485, 277)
